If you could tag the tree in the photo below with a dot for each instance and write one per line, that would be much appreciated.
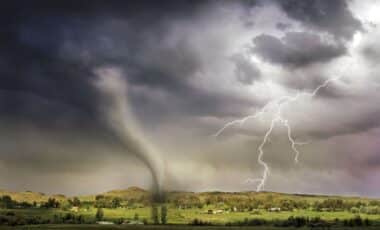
(51, 203)
(6, 202)
(99, 197)
(116, 202)
(136, 217)
(100, 201)
(99, 214)
(164, 213)
(75, 202)
(155, 215)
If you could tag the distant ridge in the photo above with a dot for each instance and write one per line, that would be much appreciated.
(135, 192)
(29, 196)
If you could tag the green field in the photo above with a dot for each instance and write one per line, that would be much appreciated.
(169, 227)
(185, 216)
(183, 208)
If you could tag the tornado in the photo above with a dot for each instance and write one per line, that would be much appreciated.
(119, 117)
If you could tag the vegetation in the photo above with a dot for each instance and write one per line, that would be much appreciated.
(245, 209)
(155, 215)
(99, 214)
(164, 213)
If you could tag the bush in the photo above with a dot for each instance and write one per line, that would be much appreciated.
(7, 202)
(357, 221)
(248, 222)
(145, 221)
(10, 213)
(293, 222)
(199, 222)
(354, 210)
(99, 214)
(136, 217)
(155, 218)
(120, 221)
(51, 203)
(164, 213)
(371, 210)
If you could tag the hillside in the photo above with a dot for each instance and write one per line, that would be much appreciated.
(195, 208)
(29, 196)
(136, 193)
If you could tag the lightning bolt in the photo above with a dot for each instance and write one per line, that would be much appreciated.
(275, 106)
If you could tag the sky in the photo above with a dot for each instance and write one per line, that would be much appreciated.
(99, 96)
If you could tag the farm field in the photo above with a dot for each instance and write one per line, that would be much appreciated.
(132, 209)
(168, 227)
(176, 216)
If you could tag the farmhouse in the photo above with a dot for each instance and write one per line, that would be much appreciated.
(275, 209)
(105, 222)
(219, 211)
(133, 222)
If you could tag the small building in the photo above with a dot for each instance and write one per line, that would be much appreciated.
(105, 222)
(274, 209)
(219, 211)
(133, 222)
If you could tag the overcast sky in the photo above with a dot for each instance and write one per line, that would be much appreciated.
(190, 67)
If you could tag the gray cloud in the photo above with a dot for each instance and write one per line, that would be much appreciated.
(296, 49)
(333, 17)
(283, 26)
(371, 52)
(190, 68)
(246, 71)
(374, 161)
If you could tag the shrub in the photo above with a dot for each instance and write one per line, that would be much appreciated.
(354, 210)
(164, 213)
(155, 218)
(355, 222)
(199, 222)
(248, 222)
(99, 214)
(145, 221)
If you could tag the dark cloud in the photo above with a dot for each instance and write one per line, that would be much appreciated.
(52, 48)
(374, 161)
(283, 26)
(183, 82)
(49, 52)
(372, 53)
(333, 17)
(296, 49)
(246, 71)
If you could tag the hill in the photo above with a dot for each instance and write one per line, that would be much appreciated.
(195, 208)
(139, 194)
(29, 196)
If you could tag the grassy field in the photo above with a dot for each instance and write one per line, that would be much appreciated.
(185, 207)
(185, 216)
(150, 227)
(166, 227)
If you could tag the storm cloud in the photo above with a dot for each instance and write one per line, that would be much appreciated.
(191, 67)
(246, 71)
(296, 49)
(334, 17)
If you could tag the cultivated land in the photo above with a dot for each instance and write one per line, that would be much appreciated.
(166, 227)
(186, 210)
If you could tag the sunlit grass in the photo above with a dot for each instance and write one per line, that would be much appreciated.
(185, 216)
